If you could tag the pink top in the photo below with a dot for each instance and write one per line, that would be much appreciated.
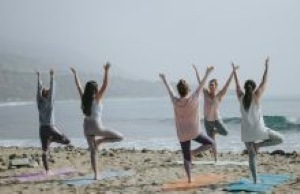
(186, 112)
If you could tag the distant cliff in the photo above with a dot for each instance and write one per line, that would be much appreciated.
(18, 80)
(21, 86)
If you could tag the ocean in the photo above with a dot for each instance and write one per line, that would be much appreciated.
(147, 123)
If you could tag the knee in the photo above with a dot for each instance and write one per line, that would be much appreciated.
(278, 141)
(212, 143)
(251, 154)
(67, 141)
(225, 133)
(119, 137)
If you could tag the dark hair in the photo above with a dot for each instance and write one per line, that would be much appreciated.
(45, 92)
(90, 90)
(249, 88)
(214, 80)
(182, 88)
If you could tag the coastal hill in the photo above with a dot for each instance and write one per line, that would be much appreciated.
(18, 63)
(18, 81)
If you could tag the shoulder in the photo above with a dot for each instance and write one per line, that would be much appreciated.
(205, 91)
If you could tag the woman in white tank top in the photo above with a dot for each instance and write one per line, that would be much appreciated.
(91, 104)
(254, 133)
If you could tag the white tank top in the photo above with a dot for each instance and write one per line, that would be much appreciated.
(252, 123)
(96, 112)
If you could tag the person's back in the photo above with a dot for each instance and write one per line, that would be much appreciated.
(186, 110)
(96, 111)
(46, 111)
(252, 123)
(254, 133)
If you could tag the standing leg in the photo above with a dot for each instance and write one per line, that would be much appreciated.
(219, 128)
(185, 148)
(93, 154)
(252, 159)
(210, 131)
(45, 138)
(214, 148)
(45, 156)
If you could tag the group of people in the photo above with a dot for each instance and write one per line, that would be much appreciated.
(186, 105)
(254, 133)
(91, 105)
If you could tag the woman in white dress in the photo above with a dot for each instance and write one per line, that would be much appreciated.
(254, 133)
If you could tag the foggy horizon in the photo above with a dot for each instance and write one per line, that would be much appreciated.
(143, 38)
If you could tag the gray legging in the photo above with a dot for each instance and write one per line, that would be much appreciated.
(275, 138)
(92, 130)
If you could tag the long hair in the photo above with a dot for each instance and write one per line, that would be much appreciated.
(90, 90)
(183, 88)
(249, 87)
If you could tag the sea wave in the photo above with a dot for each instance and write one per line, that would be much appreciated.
(274, 122)
(4, 104)
(277, 122)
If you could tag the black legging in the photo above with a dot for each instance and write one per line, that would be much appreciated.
(207, 143)
(49, 134)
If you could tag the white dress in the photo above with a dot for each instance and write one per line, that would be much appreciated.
(253, 127)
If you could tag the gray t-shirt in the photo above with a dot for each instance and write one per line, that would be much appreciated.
(45, 105)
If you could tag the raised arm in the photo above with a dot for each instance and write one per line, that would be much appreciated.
(203, 81)
(168, 86)
(197, 74)
(52, 88)
(239, 92)
(262, 86)
(102, 90)
(223, 91)
(39, 86)
(77, 82)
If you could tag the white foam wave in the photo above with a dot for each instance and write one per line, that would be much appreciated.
(16, 104)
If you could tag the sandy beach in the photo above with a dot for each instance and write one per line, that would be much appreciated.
(151, 170)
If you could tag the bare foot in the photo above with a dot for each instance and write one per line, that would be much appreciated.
(49, 173)
(190, 180)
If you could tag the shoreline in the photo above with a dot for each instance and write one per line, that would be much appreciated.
(152, 169)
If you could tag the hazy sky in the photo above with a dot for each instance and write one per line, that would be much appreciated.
(145, 37)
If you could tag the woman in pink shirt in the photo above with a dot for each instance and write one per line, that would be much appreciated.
(186, 111)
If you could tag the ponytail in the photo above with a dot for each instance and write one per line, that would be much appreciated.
(249, 88)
